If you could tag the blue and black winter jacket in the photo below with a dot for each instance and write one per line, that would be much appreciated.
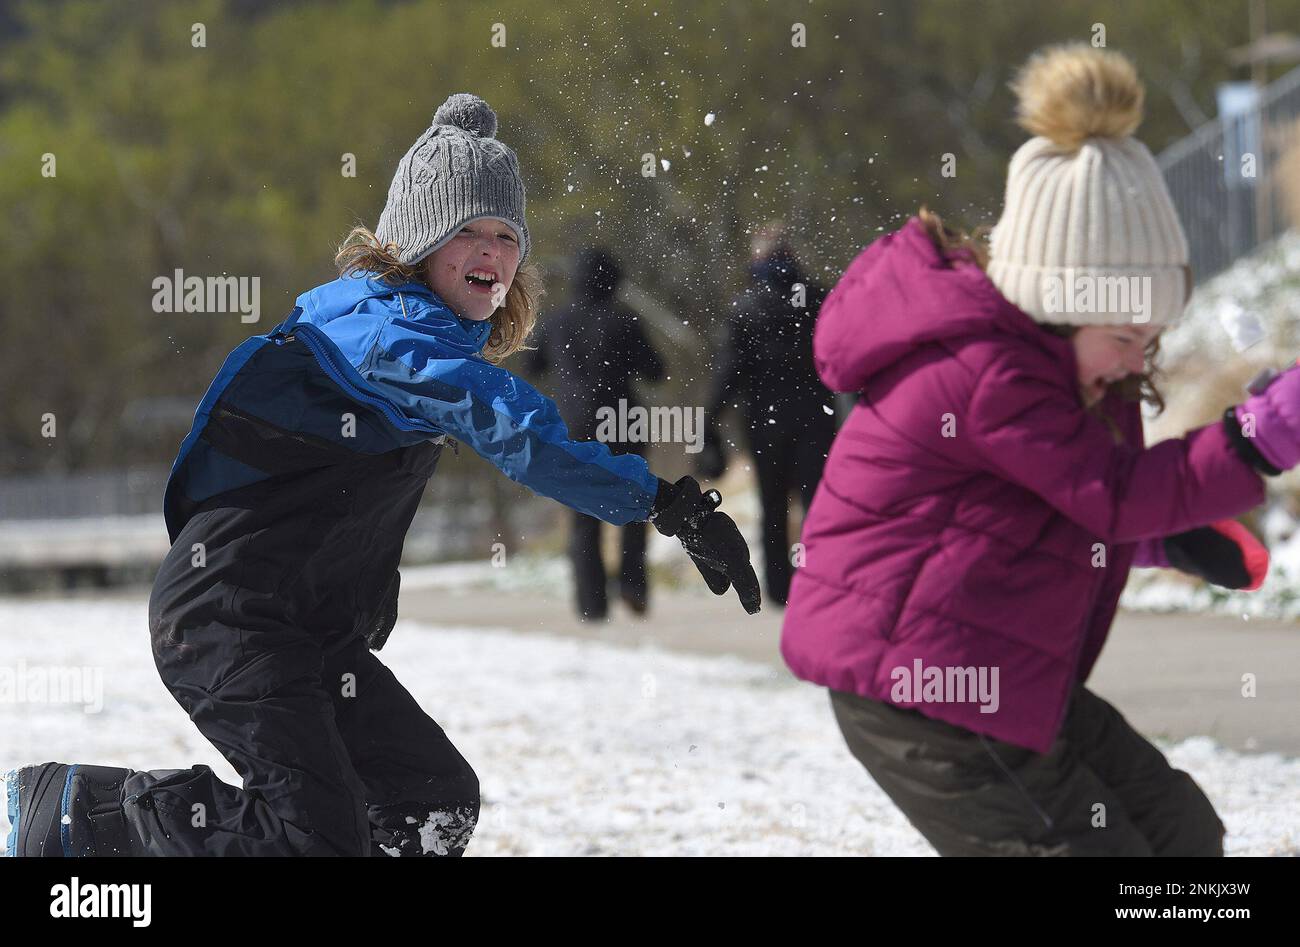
(363, 368)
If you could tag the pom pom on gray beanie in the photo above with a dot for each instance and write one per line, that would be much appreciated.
(454, 173)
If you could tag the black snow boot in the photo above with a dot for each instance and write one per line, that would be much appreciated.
(57, 810)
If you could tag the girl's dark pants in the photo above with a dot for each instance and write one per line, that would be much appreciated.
(1101, 789)
(257, 618)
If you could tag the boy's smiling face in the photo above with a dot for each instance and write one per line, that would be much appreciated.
(472, 271)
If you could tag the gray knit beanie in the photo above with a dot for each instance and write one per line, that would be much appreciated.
(454, 173)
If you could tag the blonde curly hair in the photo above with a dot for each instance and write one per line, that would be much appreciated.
(512, 322)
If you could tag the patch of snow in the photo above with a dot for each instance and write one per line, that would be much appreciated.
(582, 748)
(1258, 296)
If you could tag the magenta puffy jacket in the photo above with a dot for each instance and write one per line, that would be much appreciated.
(958, 519)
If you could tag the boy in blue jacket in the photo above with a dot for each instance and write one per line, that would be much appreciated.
(287, 508)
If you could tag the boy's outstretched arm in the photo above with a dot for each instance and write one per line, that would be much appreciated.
(510, 423)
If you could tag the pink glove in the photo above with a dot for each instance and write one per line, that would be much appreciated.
(1270, 420)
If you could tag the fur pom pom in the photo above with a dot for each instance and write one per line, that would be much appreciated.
(1073, 92)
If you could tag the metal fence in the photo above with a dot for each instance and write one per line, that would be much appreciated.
(1228, 179)
(131, 492)
(112, 519)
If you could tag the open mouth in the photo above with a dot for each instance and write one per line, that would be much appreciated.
(1100, 385)
(481, 281)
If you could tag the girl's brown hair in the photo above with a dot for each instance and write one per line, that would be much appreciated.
(973, 247)
(512, 322)
(956, 244)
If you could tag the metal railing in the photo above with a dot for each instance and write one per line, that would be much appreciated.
(1227, 178)
(110, 517)
(129, 492)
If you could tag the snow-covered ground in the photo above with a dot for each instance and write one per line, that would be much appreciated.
(1260, 290)
(581, 747)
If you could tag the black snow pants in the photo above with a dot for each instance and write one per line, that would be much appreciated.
(1101, 789)
(258, 619)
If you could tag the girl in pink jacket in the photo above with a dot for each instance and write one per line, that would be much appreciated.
(982, 505)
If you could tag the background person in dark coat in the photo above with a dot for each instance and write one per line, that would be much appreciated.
(592, 348)
(765, 369)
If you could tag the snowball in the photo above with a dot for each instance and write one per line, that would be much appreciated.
(1244, 328)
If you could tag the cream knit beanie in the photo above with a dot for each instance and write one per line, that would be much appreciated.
(1089, 235)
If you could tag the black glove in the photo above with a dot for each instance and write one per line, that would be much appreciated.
(712, 460)
(710, 538)
(1224, 553)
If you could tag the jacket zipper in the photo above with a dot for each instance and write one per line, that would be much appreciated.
(222, 411)
(325, 360)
